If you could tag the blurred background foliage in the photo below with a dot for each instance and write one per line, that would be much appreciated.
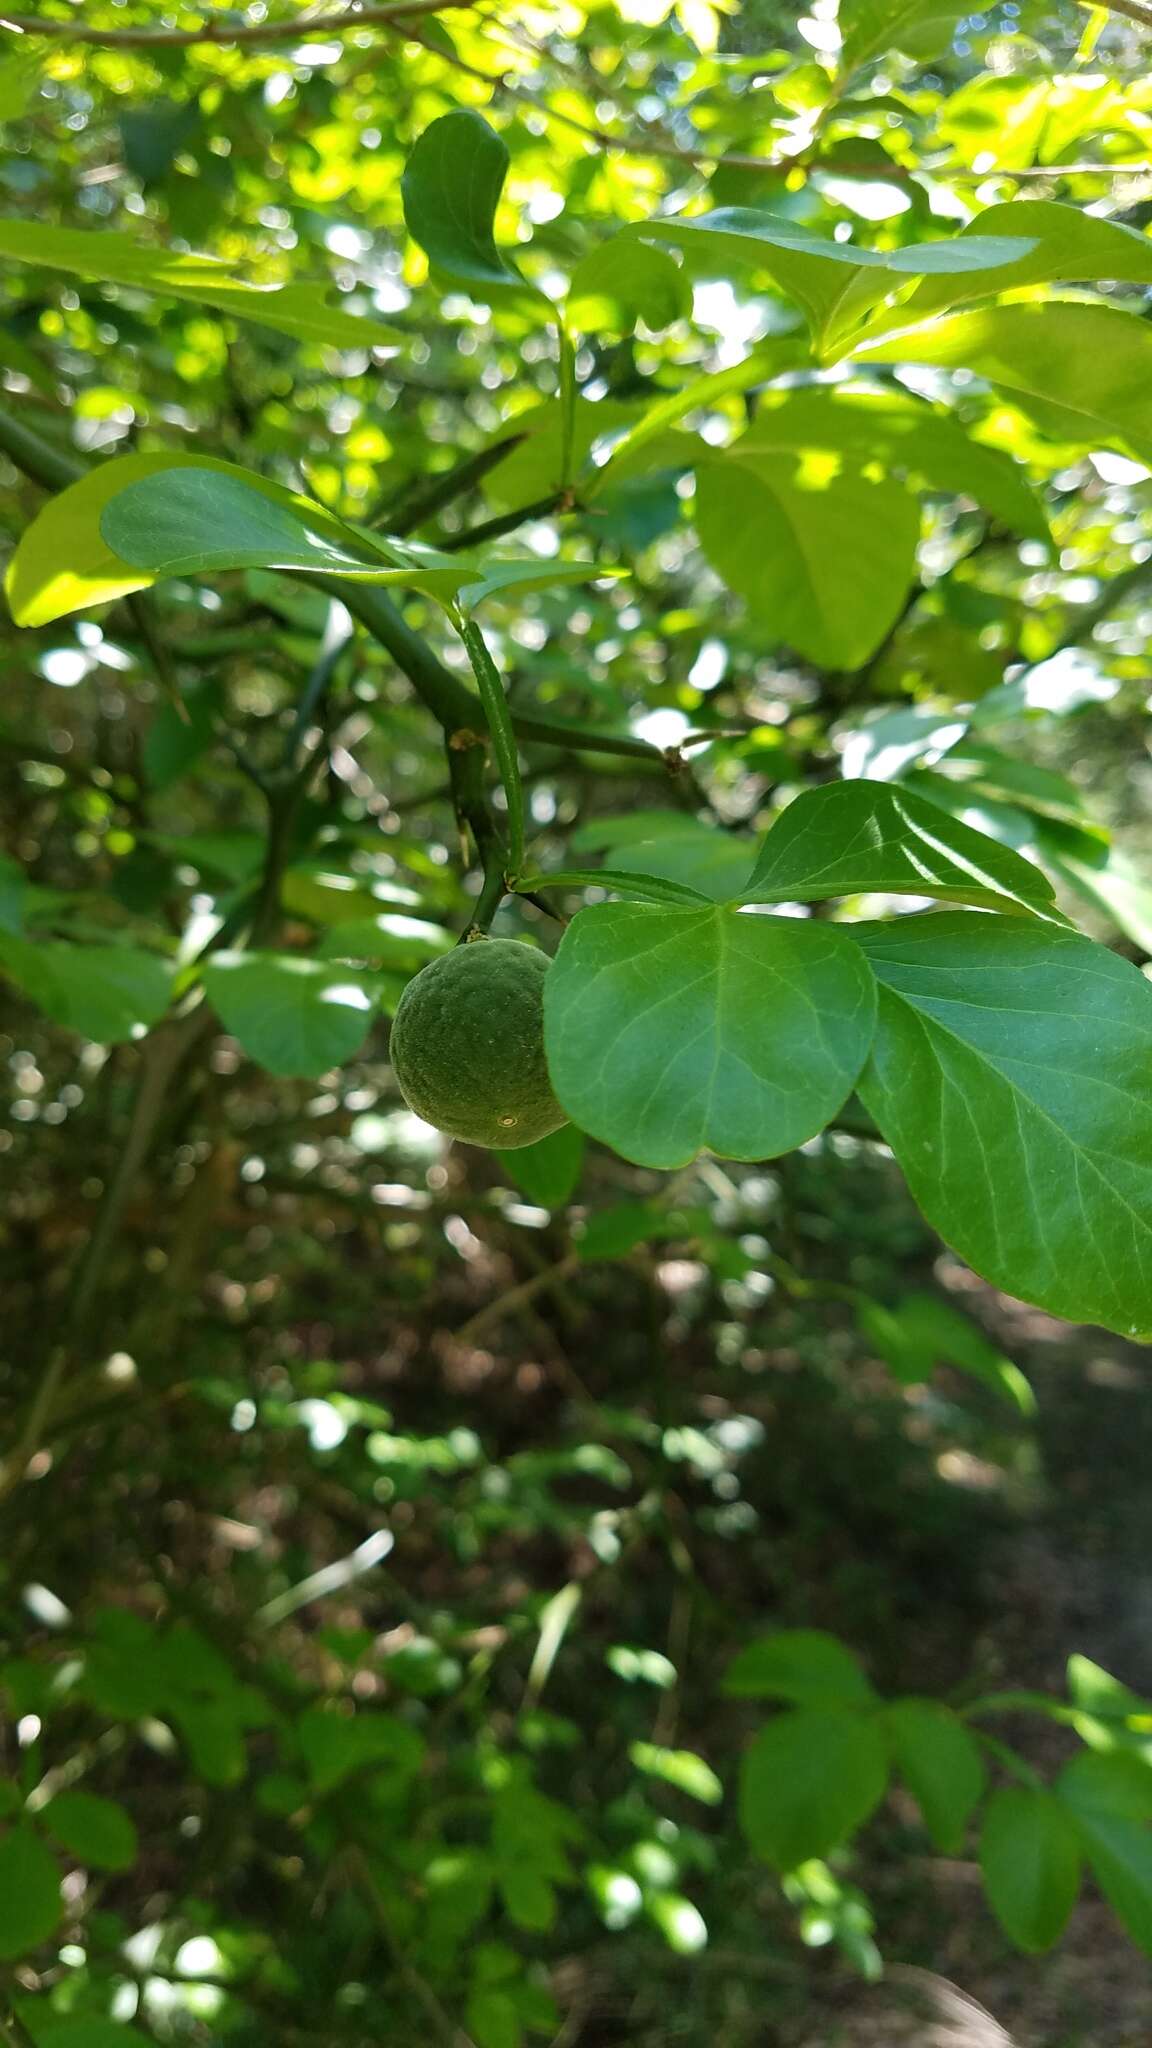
(402, 1508)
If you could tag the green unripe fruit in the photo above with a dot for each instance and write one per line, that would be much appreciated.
(468, 1045)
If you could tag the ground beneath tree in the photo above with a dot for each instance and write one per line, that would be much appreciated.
(1080, 1579)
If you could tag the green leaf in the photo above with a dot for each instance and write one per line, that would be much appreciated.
(30, 1904)
(614, 1232)
(715, 863)
(1107, 878)
(1030, 1860)
(818, 273)
(822, 556)
(142, 517)
(980, 770)
(301, 310)
(1012, 1077)
(106, 993)
(641, 888)
(174, 743)
(810, 1779)
(548, 1171)
(1068, 245)
(941, 1765)
(1082, 371)
(669, 1031)
(679, 1767)
(493, 2019)
(390, 940)
(64, 562)
(291, 1015)
(1117, 1786)
(851, 838)
(1109, 1798)
(336, 1746)
(925, 444)
(922, 1331)
(629, 457)
(803, 1665)
(920, 28)
(451, 188)
(96, 1830)
(884, 745)
(185, 521)
(621, 282)
(1099, 1694)
(531, 469)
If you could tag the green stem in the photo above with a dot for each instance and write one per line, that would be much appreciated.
(333, 644)
(441, 2020)
(563, 732)
(53, 467)
(567, 402)
(406, 514)
(450, 701)
(504, 522)
(503, 738)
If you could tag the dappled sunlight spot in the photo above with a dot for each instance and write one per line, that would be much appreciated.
(663, 728)
(617, 1895)
(961, 1468)
(199, 1957)
(326, 1427)
(816, 468)
(346, 996)
(45, 1606)
(1066, 681)
(398, 1131)
(65, 666)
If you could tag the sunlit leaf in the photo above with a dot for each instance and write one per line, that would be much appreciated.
(1083, 371)
(622, 282)
(852, 837)
(919, 28)
(823, 558)
(451, 187)
(302, 310)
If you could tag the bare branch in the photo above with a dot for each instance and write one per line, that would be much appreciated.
(224, 31)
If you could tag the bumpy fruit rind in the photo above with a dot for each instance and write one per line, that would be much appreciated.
(467, 1045)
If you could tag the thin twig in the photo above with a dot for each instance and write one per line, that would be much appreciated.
(225, 30)
(515, 1298)
(13, 2032)
(445, 2025)
(407, 512)
(335, 639)
(163, 1052)
(503, 522)
(646, 144)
